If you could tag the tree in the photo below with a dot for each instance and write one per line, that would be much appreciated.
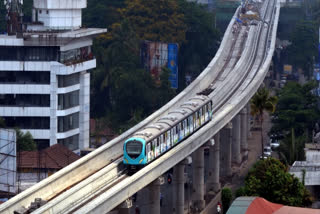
(294, 118)
(156, 20)
(304, 46)
(226, 197)
(270, 179)
(261, 102)
(201, 40)
(25, 141)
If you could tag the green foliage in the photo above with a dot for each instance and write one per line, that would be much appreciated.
(297, 109)
(295, 118)
(270, 179)
(156, 20)
(226, 197)
(241, 192)
(102, 13)
(201, 40)
(25, 141)
(304, 46)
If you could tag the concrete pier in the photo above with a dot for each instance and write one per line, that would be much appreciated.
(244, 133)
(198, 179)
(154, 195)
(124, 207)
(178, 182)
(213, 182)
(236, 136)
(225, 158)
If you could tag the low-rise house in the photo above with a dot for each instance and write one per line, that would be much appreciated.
(34, 166)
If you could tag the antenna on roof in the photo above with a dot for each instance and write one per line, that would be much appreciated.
(14, 16)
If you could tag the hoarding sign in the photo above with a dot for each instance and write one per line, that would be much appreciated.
(156, 55)
(173, 64)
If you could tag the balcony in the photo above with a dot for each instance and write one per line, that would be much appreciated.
(62, 69)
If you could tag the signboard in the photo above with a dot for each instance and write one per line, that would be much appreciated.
(156, 55)
(287, 69)
(8, 163)
(173, 64)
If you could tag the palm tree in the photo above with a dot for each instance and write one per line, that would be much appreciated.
(260, 102)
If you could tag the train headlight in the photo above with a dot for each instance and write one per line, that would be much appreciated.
(126, 160)
(141, 160)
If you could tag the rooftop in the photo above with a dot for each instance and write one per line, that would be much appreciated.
(254, 205)
(54, 157)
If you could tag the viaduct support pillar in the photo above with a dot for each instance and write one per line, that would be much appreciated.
(124, 207)
(244, 134)
(154, 195)
(198, 179)
(226, 140)
(249, 119)
(213, 183)
(178, 182)
(236, 152)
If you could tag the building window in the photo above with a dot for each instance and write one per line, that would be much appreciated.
(30, 53)
(28, 122)
(71, 143)
(24, 77)
(69, 100)
(68, 80)
(25, 100)
(67, 123)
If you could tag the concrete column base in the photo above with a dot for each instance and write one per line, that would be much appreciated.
(199, 205)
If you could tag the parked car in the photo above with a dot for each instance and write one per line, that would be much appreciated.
(267, 151)
(274, 143)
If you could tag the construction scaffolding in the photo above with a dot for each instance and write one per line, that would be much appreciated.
(8, 164)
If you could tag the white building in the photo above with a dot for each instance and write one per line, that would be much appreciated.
(44, 74)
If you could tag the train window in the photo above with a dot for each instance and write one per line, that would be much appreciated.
(162, 143)
(210, 106)
(168, 140)
(181, 130)
(206, 112)
(158, 147)
(175, 135)
(153, 151)
(203, 114)
(195, 119)
(148, 150)
(134, 148)
(191, 123)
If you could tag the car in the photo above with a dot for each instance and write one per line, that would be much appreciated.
(274, 143)
(267, 151)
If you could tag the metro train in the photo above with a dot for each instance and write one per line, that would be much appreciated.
(149, 143)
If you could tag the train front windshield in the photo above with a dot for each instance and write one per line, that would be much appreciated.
(134, 148)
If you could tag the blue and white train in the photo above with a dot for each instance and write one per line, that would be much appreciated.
(152, 141)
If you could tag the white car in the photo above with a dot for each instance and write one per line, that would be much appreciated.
(267, 151)
(274, 143)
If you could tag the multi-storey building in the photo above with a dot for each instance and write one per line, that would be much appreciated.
(44, 73)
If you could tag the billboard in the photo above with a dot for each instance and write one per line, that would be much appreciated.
(156, 55)
(8, 163)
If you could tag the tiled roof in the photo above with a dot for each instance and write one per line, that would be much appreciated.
(54, 157)
(257, 205)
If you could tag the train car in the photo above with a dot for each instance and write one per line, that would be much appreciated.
(152, 141)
